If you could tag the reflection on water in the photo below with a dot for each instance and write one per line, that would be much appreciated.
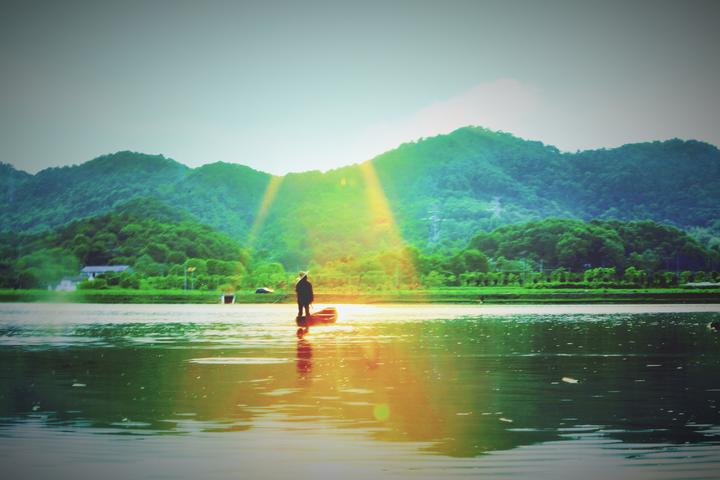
(457, 390)
(304, 358)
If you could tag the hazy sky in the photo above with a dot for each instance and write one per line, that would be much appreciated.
(292, 86)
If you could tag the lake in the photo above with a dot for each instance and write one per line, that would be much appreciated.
(411, 391)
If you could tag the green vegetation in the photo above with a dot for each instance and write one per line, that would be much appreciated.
(471, 209)
(459, 295)
(158, 251)
(576, 246)
(441, 191)
(170, 253)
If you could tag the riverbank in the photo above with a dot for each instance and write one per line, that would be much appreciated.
(460, 295)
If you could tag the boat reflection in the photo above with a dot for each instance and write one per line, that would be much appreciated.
(461, 388)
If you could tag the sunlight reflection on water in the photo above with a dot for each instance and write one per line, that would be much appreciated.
(390, 390)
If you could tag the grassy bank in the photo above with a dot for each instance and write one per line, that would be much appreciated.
(502, 295)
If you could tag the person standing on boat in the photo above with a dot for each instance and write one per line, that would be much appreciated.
(304, 292)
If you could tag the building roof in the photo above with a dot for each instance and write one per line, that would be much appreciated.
(104, 268)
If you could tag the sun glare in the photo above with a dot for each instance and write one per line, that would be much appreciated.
(367, 205)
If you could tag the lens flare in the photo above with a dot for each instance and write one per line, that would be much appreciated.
(381, 412)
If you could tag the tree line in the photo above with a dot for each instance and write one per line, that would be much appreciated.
(167, 251)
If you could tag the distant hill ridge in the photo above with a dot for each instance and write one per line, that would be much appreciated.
(441, 190)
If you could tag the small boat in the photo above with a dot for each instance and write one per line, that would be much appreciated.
(326, 316)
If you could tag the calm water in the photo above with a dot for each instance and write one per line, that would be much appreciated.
(158, 391)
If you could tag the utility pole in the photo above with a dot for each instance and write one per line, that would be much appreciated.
(191, 270)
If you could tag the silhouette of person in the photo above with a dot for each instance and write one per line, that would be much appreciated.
(304, 293)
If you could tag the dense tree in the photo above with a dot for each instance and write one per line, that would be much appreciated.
(433, 194)
(128, 236)
(399, 220)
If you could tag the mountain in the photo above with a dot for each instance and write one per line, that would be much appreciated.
(475, 177)
(10, 181)
(154, 239)
(56, 196)
(676, 182)
(224, 195)
(436, 193)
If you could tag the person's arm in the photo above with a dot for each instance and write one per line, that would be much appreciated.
(311, 294)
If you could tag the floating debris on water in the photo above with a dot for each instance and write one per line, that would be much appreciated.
(79, 385)
(507, 420)
(570, 380)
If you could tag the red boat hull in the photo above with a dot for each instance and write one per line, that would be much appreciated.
(322, 317)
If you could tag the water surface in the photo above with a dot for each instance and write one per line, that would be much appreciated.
(188, 391)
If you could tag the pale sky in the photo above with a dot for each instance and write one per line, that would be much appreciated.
(294, 86)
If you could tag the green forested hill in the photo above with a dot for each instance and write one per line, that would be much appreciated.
(576, 245)
(11, 180)
(151, 237)
(223, 195)
(436, 193)
(675, 182)
(56, 196)
(474, 177)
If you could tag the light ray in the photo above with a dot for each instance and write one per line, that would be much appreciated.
(385, 227)
(268, 198)
(382, 217)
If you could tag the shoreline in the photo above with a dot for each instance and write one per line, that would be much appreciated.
(448, 296)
